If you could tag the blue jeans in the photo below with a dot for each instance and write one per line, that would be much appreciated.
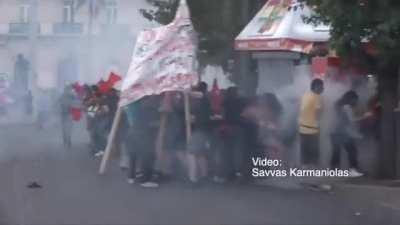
(340, 141)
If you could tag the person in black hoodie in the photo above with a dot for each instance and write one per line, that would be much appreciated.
(250, 140)
(231, 135)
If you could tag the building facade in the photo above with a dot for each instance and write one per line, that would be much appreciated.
(68, 40)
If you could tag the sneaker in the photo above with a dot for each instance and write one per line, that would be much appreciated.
(99, 154)
(149, 184)
(325, 187)
(355, 173)
(131, 181)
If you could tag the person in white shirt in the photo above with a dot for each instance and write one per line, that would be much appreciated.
(346, 132)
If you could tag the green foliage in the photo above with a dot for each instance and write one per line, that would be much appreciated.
(216, 21)
(354, 22)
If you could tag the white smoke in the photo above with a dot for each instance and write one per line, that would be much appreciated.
(290, 96)
(210, 73)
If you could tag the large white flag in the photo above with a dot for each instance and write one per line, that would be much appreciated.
(164, 59)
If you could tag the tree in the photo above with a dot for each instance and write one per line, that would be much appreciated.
(367, 32)
(217, 23)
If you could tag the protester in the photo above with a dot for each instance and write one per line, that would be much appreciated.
(346, 132)
(141, 142)
(290, 122)
(89, 104)
(250, 119)
(44, 109)
(28, 103)
(67, 101)
(199, 144)
(309, 129)
(231, 133)
(21, 73)
(175, 137)
(99, 112)
(270, 127)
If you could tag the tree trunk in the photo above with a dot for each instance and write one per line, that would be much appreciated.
(243, 76)
(388, 138)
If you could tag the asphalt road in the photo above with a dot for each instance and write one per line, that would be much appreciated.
(73, 193)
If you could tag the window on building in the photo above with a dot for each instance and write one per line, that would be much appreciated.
(111, 11)
(24, 9)
(68, 11)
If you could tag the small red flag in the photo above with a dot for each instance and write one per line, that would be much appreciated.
(76, 113)
(106, 86)
(113, 78)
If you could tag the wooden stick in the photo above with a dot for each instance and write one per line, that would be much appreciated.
(188, 118)
(110, 142)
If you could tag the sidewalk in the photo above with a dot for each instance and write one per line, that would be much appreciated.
(382, 198)
(372, 184)
(376, 202)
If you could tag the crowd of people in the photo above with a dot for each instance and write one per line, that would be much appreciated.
(223, 138)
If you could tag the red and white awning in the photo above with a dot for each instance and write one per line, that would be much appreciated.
(280, 26)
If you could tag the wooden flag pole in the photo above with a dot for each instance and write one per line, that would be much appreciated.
(110, 142)
(188, 118)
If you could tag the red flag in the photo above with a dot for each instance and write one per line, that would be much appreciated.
(104, 87)
(216, 98)
(113, 78)
(76, 113)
